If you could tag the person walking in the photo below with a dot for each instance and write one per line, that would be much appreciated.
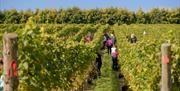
(109, 45)
(113, 39)
(105, 38)
(98, 63)
(114, 55)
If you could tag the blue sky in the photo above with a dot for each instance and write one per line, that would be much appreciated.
(88, 4)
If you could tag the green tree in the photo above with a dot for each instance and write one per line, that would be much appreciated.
(174, 16)
(11, 16)
(2, 17)
(140, 16)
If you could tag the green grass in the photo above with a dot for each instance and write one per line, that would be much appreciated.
(109, 80)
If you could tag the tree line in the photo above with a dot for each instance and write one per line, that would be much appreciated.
(92, 16)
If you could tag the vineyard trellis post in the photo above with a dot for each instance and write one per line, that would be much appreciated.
(10, 55)
(166, 67)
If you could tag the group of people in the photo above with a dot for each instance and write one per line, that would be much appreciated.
(109, 42)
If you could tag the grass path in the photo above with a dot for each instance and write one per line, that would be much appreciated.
(108, 80)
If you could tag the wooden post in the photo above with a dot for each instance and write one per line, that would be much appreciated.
(10, 51)
(166, 67)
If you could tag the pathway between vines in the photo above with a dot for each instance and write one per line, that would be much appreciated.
(108, 80)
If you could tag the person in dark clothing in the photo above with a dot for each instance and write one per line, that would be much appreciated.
(104, 42)
(1, 63)
(105, 36)
(109, 44)
(133, 38)
(113, 39)
(98, 63)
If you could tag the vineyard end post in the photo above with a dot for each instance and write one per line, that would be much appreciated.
(166, 67)
(10, 55)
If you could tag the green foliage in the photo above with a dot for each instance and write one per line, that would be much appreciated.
(47, 62)
(141, 62)
(92, 16)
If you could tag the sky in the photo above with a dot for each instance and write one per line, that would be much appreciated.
(132, 5)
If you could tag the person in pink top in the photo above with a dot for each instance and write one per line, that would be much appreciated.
(114, 55)
(88, 38)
